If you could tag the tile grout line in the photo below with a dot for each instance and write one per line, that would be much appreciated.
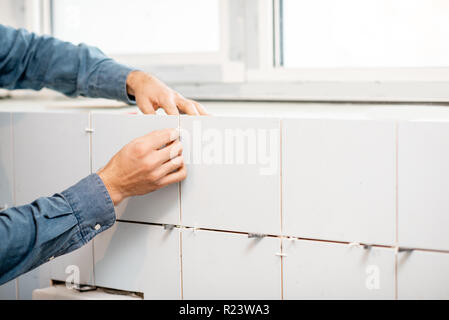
(180, 221)
(11, 130)
(179, 183)
(14, 197)
(384, 246)
(281, 236)
(379, 246)
(281, 208)
(396, 210)
(180, 260)
(91, 171)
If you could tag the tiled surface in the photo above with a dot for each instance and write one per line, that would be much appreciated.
(323, 270)
(34, 279)
(219, 265)
(339, 179)
(423, 180)
(8, 291)
(76, 267)
(139, 258)
(231, 186)
(51, 152)
(111, 133)
(423, 275)
(6, 162)
(338, 184)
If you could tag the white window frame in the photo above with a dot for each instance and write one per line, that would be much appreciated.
(339, 84)
(36, 16)
(196, 67)
(272, 71)
(247, 65)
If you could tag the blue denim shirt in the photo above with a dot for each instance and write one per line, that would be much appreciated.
(32, 234)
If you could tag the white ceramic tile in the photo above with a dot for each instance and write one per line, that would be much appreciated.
(51, 153)
(8, 291)
(423, 275)
(338, 179)
(423, 184)
(139, 258)
(111, 133)
(233, 179)
(323, 270)
(222, 265)
(35, 279)
(6, 168)
(76, 266)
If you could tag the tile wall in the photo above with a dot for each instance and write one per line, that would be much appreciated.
(292, 208)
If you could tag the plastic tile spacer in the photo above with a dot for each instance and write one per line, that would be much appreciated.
(354, 244)
(256, 235)
(279, 254)
(168, 226)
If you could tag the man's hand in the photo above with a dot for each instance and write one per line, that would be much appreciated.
(144, 165)
(152, 94)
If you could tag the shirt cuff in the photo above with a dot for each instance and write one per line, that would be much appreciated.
(111, 81)
(92, 206)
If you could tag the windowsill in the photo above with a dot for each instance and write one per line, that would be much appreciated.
(392, 92)
(235, 108)
(348, 92)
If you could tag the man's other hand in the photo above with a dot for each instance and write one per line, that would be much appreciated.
(144, 165)
(152, 94)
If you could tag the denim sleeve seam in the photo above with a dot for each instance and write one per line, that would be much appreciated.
(107, 197)
(76, 214)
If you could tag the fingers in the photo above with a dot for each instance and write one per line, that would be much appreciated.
(186, 106)
(190, 107)
(145, 105)
(151, 94)
(174, 177)
(170, 166)
(170, 107)
(200, 108)
(159, 138)
(171, 151)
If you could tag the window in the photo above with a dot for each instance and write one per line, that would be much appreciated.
(365, 33)
(314, 50)
(139, 26)
(177, 40)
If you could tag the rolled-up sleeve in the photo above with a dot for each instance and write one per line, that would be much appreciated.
(32, 234)
(28, 61)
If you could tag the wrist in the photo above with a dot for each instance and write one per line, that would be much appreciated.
(114, 192)
(133, 80)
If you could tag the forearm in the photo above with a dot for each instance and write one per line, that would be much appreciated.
(32, 234)
(28, 61)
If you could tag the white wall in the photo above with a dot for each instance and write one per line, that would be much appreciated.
(12, 13)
